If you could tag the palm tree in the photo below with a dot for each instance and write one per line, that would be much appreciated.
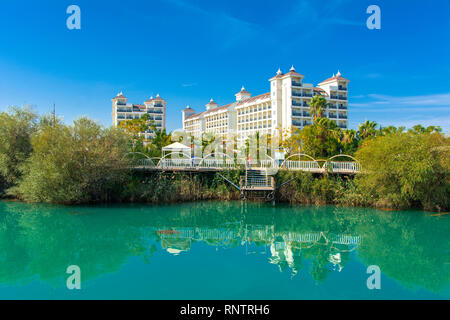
(348, 136)
(316, 106)
(367, 129)
(349, 141)
(159, 140)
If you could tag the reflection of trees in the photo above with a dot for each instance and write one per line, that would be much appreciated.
(410, 247)
(40, 241)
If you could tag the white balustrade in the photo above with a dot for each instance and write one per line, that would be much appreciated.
(302, 165)
(343, 167)
(310, 166)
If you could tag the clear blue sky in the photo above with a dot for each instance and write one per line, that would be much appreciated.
(191, 51)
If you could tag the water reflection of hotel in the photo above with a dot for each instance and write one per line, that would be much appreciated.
(285, 248)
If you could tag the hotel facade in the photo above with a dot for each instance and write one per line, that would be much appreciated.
(284, 109)
(154, 107)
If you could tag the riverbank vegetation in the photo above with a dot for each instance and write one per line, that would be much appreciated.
(45, 160)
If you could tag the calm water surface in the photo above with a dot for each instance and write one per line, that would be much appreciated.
(216, 250)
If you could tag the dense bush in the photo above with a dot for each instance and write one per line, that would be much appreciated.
(406, 169)
(17, 126)
(303, 187)
(74, 164)
(157, 187)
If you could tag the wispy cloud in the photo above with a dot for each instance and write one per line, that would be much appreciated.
(186, 85)
(443, 122)
(232, 29)
(373, 75)
(432, 109)
(377, 100)
(315, 13)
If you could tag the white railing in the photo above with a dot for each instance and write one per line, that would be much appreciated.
(302, 165)
(144, 163)
(268, 164)
(343, 167)
(310, 166)
(176, 163)
(217, 163)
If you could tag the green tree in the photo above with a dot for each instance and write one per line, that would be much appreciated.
(160, 140)
(349, 141)
(317, 106)
(74, 164)
(406, 170)
(321, 139)
(17, 126)
(136, 129)
(421, 129)
(367, 129)
(390, 129)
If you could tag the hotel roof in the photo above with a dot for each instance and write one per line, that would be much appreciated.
(338, 76)
(321, 91)
(242, 91)
(119, 96)
(252, 99)
(261, 96)
(291, 72)
(154, 99)
(213, 110)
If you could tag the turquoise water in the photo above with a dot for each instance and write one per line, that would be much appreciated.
(221, 250)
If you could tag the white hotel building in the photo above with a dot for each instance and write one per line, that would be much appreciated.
(285, 108)
(155, 107)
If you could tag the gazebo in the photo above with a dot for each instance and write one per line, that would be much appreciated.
(176, 147)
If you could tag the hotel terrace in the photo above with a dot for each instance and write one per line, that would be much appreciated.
(155, 107)
(285, 108)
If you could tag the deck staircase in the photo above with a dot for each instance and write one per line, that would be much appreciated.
(257, 184)
(256, 178)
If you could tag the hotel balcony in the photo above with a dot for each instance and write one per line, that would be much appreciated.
(342, 116)
(123, 110)
(332, 106)
(342, 107)
(296, 84)
(296, 114)
(338, 97)
(300, 94)
(342, 88)
(332, 116)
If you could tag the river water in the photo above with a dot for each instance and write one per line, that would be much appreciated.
(222, 250)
